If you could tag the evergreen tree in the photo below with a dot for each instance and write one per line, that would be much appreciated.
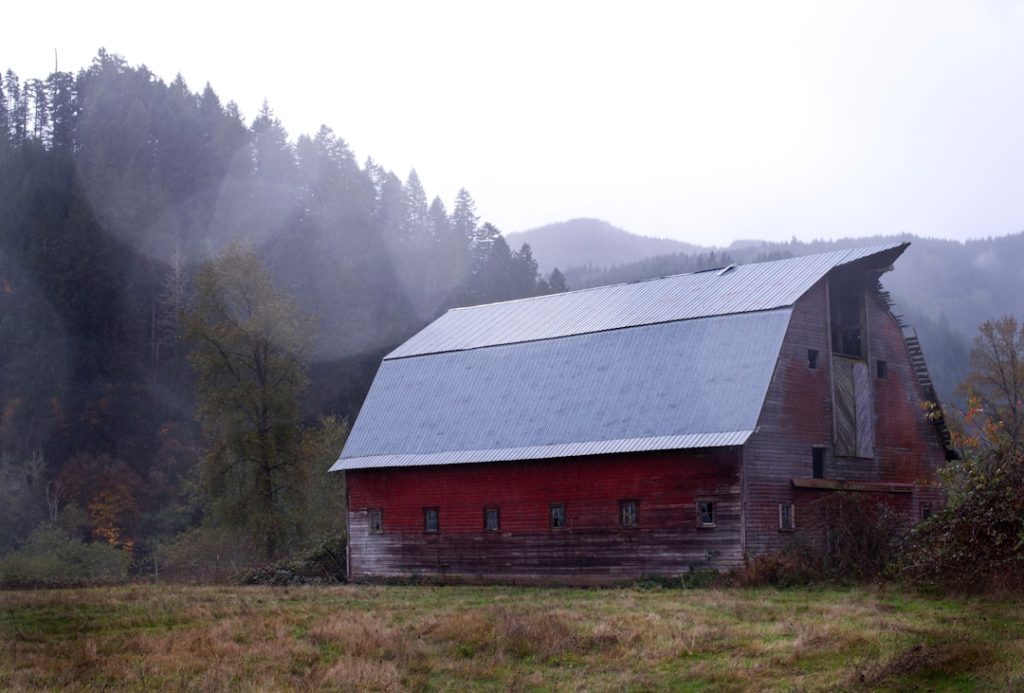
(464, 219)
(556, 282)
(524, 271)
(17, 108)
(60, 90)
(4, 121)
(417, 214)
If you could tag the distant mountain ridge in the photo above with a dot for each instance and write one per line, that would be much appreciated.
(944, 288)
(594, 242)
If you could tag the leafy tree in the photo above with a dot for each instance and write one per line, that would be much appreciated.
(250, 347)
(995, 384)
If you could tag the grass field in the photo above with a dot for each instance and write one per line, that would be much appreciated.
(457, 638)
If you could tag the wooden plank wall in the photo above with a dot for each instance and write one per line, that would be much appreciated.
(797, 417)
(592, 548)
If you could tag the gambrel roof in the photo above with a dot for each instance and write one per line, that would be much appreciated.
(666, 364)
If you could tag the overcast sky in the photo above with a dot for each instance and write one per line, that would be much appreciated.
(703, 121)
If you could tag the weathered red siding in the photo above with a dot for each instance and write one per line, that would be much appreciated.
(593, 547)
(797, 416)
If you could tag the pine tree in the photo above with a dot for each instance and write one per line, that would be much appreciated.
(17, 108)
(4, 121)
(556, 282)
(60, 89)
(464, 219)
(525, 272)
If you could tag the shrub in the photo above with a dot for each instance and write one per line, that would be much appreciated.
(977, 540)
(206, 554)
(50, 557)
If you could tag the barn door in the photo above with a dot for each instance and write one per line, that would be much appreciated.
(854, 415)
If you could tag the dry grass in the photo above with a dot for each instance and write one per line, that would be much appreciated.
(358, 638)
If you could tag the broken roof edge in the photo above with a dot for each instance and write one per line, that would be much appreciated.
(877, 250)
(689, 441)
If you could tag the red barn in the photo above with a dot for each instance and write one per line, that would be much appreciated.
(640, 429)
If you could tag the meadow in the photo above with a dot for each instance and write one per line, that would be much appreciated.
(378, 637)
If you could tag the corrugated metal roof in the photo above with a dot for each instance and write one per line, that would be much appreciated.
(674, 385)
(744, 289)
(544, 452)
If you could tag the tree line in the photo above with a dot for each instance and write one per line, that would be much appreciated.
(118, 194)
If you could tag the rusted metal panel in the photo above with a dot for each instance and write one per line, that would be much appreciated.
(746, 288)
(666, 540)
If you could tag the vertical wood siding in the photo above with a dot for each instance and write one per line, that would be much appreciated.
(593, 546)
(797, 416)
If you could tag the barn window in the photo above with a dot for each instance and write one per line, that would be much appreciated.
(846, 308)
(818, 463)
(557, 516)
(376, 521)
(787, 517)
(628, 513)
(430, 520)
(812, 358)
(926, 510)
(491, 520)
(705, 513)
(883, 369)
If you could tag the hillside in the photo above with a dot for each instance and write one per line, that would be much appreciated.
(594, 242)
(943, 288)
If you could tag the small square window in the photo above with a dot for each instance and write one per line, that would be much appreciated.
(883, 369)
(376, 521)
(818, 463)
(787, 517)
(491, 520)
(812, 358)
(705, 513)
(628, 514)
(557, 516)
(430, 520)
(926, 510)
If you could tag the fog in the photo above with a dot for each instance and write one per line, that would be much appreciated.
(704, 123)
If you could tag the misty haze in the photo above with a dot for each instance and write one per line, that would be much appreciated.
(226, 236)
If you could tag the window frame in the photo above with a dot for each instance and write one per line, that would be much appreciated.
(488, 509)
(713, 512)
(817, 462)
(437, 519)
(551, 517)
(881, 369)
(377, 513)
(635, 505)
(792, 517)
(812, 359)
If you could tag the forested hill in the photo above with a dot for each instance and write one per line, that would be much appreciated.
(594, 242)
(115, 186)
(943, 288)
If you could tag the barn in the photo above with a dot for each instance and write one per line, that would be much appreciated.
(639, 429)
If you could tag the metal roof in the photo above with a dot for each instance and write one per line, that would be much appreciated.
(673, 385)
(742, 289)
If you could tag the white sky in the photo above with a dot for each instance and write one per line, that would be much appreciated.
(702, 121)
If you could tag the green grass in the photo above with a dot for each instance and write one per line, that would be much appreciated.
(166, 637)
